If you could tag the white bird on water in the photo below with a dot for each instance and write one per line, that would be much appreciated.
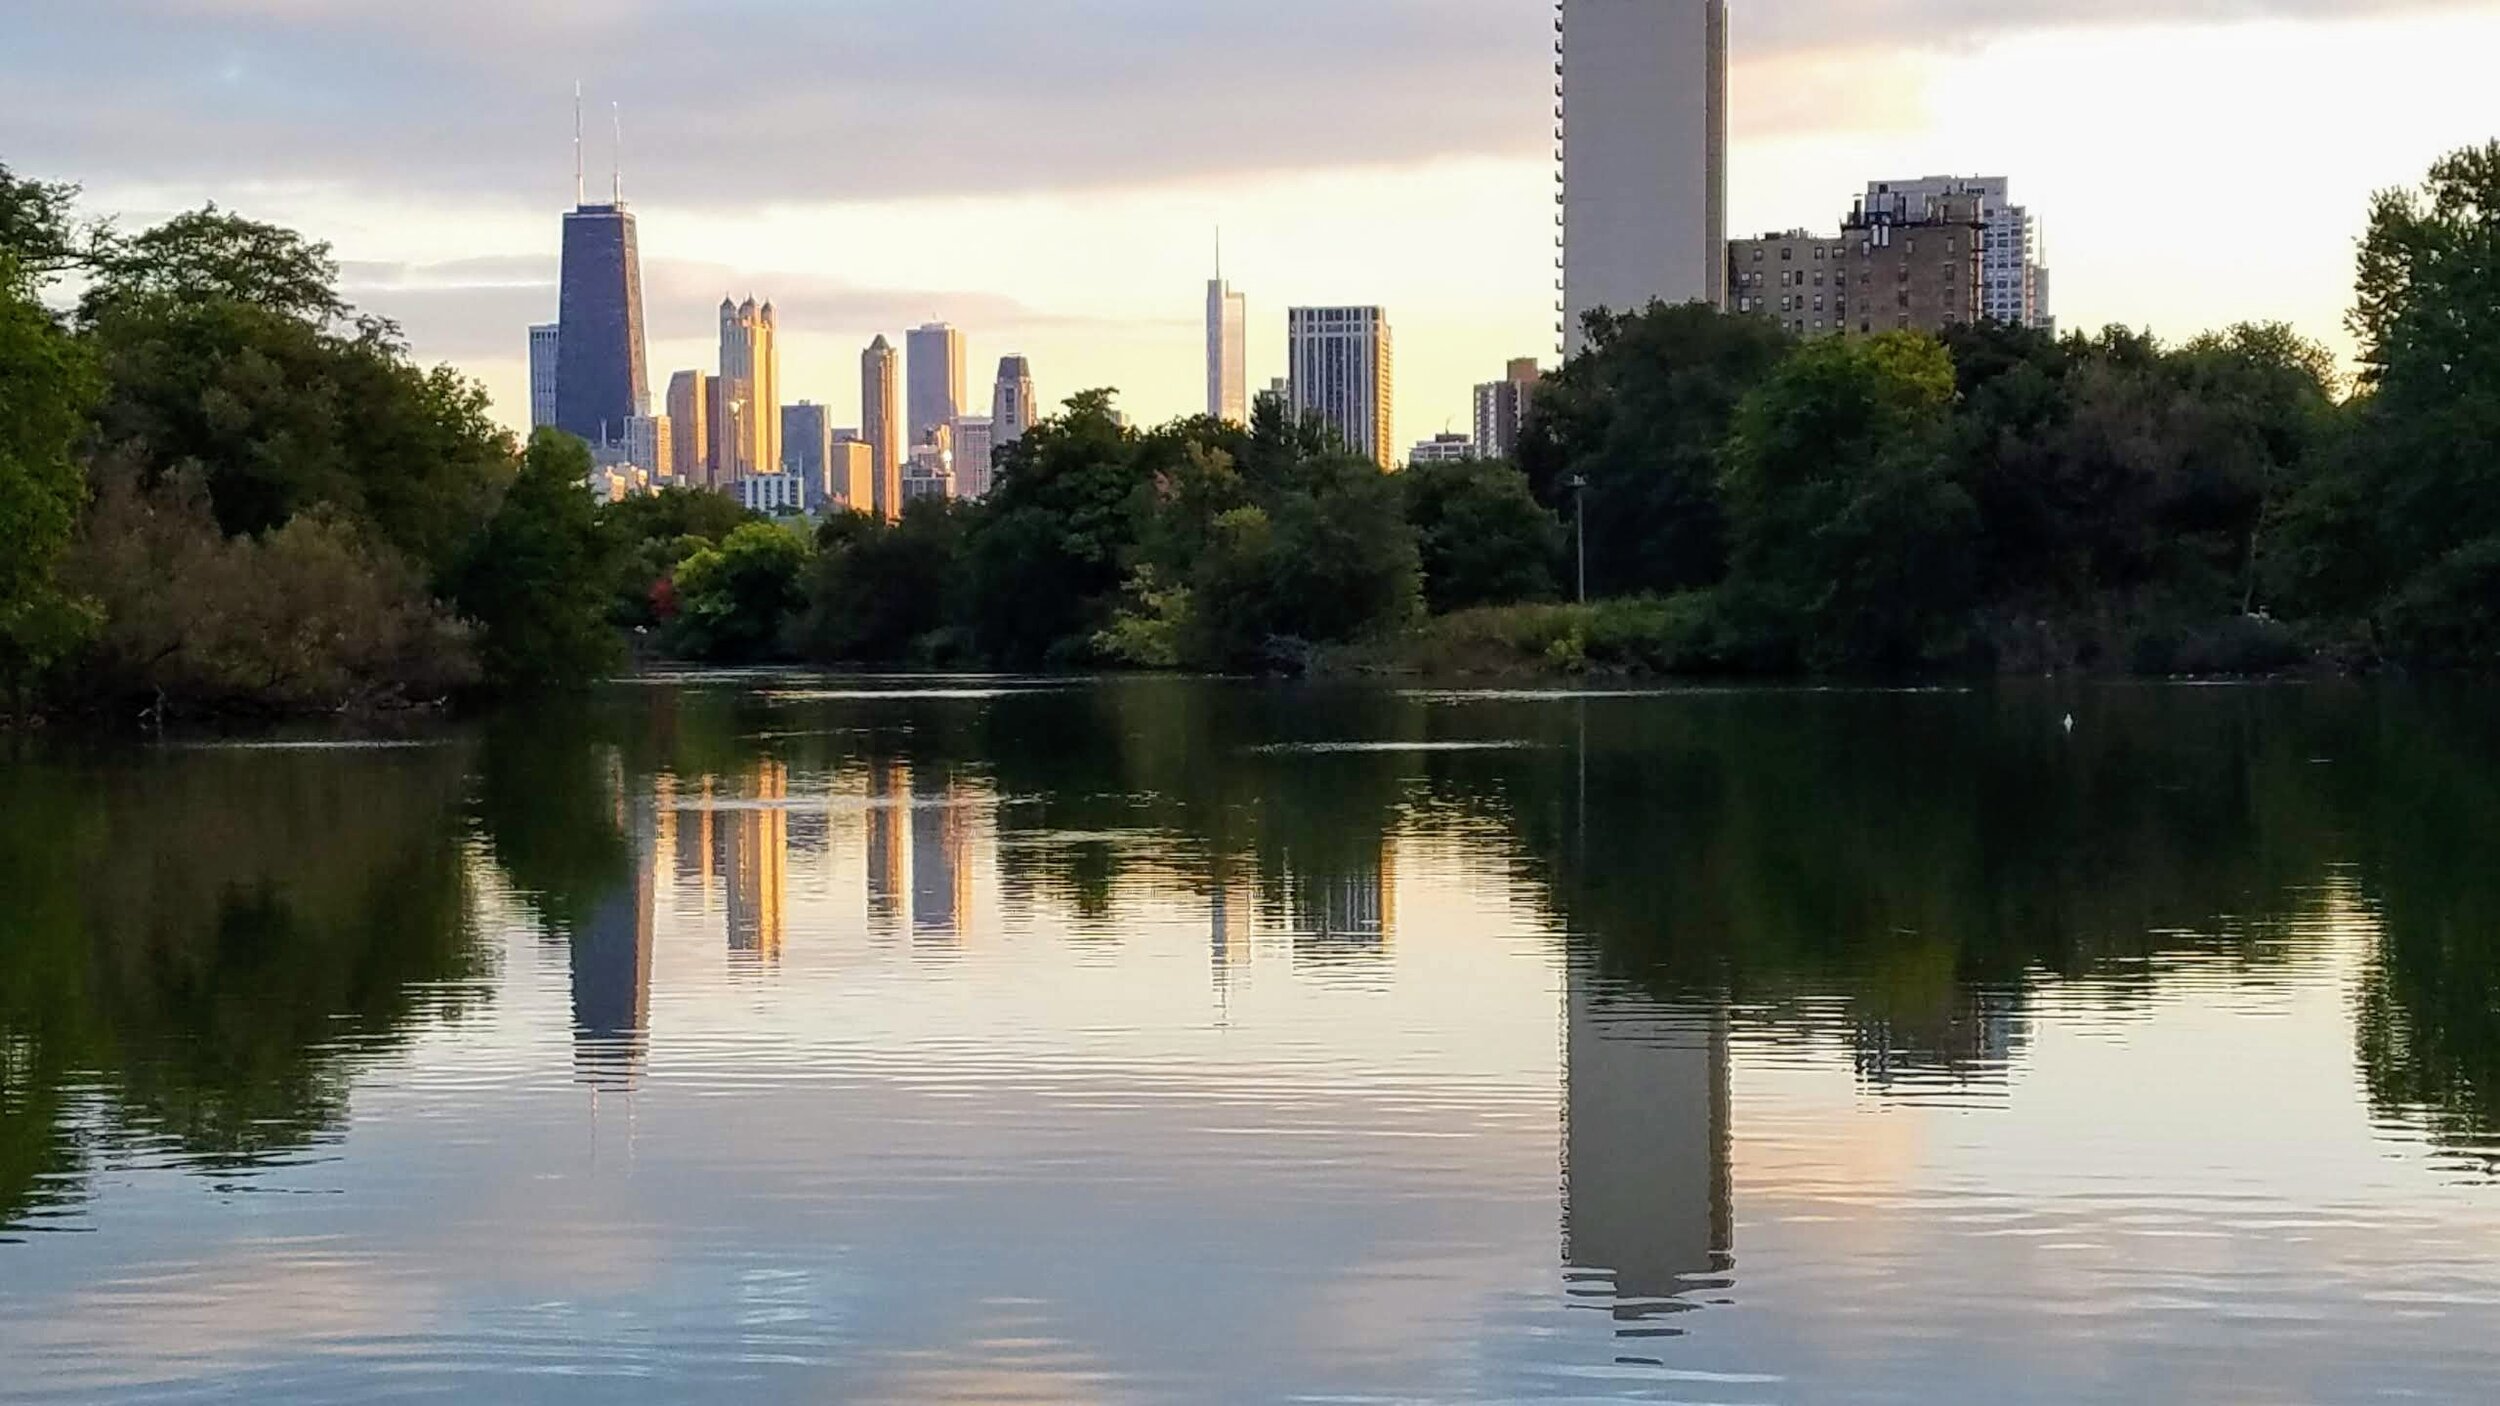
(2070, 722)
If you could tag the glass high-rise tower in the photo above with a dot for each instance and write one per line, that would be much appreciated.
(602, 378)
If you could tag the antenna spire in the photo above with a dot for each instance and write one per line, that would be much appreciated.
(1219, 253)
(616, 188)
(577, 143)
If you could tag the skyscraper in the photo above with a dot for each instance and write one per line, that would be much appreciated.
(546, 343)
(750, 396)
(1014, 407)
(806, 439)
(690, 429)
(881, 421)
(976, 444)
(1502, 408)
(2015, 286)
(601, 377)
(1342, 367)
(1228, 349)
(937, 379)
(1643, 116)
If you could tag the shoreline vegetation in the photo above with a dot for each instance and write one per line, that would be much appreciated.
(226, 494)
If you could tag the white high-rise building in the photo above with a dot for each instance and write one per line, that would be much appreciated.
(2014, 286)
(935, 355)
(1343, 366)
(1228, 350)
(746, 425)
(1642, 119)
(975, 443)
(1014, 405)
(546, 345)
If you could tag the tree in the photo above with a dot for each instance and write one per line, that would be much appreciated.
(887, 594)
(536, 578)
(1063, 522)
(1641, 415)
(735, 601)
(40, 234)
(1483, 537)
(1850, 538)
(218, 343)
(208, 256)
(2428, 317)
(46, 386)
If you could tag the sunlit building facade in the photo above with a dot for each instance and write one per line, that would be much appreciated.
(1343, 364)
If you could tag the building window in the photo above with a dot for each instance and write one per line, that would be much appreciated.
(1787, 254)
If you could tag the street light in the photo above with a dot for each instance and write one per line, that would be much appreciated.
(1580, 507)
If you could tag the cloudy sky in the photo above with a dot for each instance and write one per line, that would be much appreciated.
(1049, 175)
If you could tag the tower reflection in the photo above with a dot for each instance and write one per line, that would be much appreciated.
(754, 863)
(1647, 1194)
(611, 960)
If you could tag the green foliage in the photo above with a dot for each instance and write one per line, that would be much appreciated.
(735, 602)
(46, 385)
(536, 579)
(651, 536)
(40, 234)
(1641, 416)
(219, 352)
(208, 257)
(1482, 536)
(1631, 635)
(1071, 503)
(2426, 454)
(1850, 537)
(312, 617)
(888, 594)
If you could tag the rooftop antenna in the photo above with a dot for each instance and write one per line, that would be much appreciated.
(616, 188)
(577, 143)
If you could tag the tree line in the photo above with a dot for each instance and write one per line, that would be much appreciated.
(221, 487)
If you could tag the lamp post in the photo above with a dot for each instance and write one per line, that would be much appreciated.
(1580, 532)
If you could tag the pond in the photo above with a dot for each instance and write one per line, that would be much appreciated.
(782, 1038)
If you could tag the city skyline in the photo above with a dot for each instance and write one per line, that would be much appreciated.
(450, 238)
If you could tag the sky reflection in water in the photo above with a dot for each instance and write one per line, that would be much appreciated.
(1186, 1041)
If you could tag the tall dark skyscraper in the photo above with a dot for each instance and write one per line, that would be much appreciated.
(601, 380)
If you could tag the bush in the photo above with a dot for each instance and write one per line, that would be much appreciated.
(310, 617)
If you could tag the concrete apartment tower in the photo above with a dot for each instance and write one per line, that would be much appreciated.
(2017, 285)
(1014, 407)
(546, 346)
(690, 424)
(937, 379)
(748, 419)
(1343, 371)
(881, 423)
(1228, 348)
(1643, 122)
(1502, 409)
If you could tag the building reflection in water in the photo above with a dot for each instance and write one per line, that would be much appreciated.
(611, 957)
(941, 881)
(886, 784)
(754, 862)
(1647, 1193)
(1344, 916)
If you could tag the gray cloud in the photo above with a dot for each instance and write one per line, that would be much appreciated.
(471, 309)
(744, 103)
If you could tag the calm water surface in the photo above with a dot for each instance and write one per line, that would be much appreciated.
(777, 1039)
